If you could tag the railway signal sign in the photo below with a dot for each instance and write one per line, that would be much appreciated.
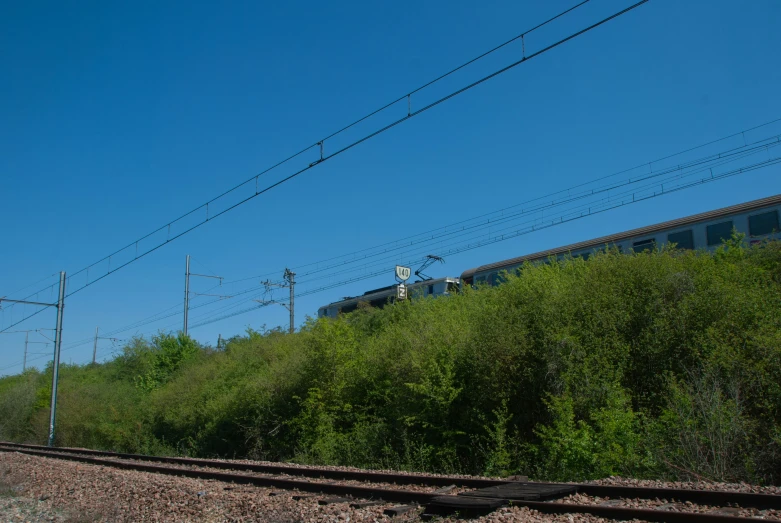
(401, 292)
(403, 273)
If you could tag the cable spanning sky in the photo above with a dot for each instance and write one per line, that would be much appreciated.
(153, 117)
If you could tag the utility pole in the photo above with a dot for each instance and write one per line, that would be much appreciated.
(60, 305)
(27, 341)
(187, 275)
(56, 367)
(95, 346)
(291, 282)
(186, 293)
(289, 277)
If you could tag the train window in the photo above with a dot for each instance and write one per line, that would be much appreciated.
(452, 286)
(644, 245)
(718, 232)
(761, 224)
(682, 239)
(431, 289)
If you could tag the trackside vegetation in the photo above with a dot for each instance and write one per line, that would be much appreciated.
(662, 364)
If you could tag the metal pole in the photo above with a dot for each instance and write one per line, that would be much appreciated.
(24, 361)
(95, 346)
(56, 366)
(186, 293)
(292, 284)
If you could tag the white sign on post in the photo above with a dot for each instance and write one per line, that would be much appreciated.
(401, 292)
(403, 273)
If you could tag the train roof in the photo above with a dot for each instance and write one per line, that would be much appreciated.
(613, 238)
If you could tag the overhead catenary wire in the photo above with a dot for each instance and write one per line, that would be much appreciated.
(323, 158)
(503, 218)
(347, 127)
(55, 275)
(503, 237)
(476, 228)
(494, 218)
(702, 164)
(545, 197)
(720, 158)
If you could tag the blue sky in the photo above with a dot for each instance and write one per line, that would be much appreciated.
(115, 119)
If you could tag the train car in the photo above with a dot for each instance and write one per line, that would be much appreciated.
(758, 220)
(380, 297)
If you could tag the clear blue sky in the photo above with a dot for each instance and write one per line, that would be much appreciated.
(116, 118)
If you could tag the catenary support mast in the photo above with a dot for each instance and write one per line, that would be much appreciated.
(56, 365)
(186, 293)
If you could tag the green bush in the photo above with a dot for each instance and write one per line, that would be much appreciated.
(661, 364)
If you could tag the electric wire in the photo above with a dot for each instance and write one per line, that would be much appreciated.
(410, 115)
(722, 157)
(487, 223)
(496, 238)
(503, 237)
(475, 228)
(497, 217)
(514, 206)
(30, 285)
(345, 128)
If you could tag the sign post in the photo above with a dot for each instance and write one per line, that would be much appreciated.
(402, 275)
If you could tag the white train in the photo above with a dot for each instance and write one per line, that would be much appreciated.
(758, 220)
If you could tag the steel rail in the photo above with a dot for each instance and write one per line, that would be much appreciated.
(378, 477)
(702, 497)
(227, 477)
(373, 493)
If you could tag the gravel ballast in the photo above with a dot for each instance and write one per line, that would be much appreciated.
(37, 489)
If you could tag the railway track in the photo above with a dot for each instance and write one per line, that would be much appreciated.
(465, 496)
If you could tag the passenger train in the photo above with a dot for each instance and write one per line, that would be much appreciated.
(758, 220)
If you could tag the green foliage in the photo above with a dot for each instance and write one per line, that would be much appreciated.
(17, 398)
(163, 358)
(659, 364)
(703, 430)
(607, 444)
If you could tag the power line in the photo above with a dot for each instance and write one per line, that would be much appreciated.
(495, 218)
(546, 197)
(461, 243)
(504, 237)
(323, 158)
(499, 217)
(715, 159)
(571, 216)
(30, 285)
